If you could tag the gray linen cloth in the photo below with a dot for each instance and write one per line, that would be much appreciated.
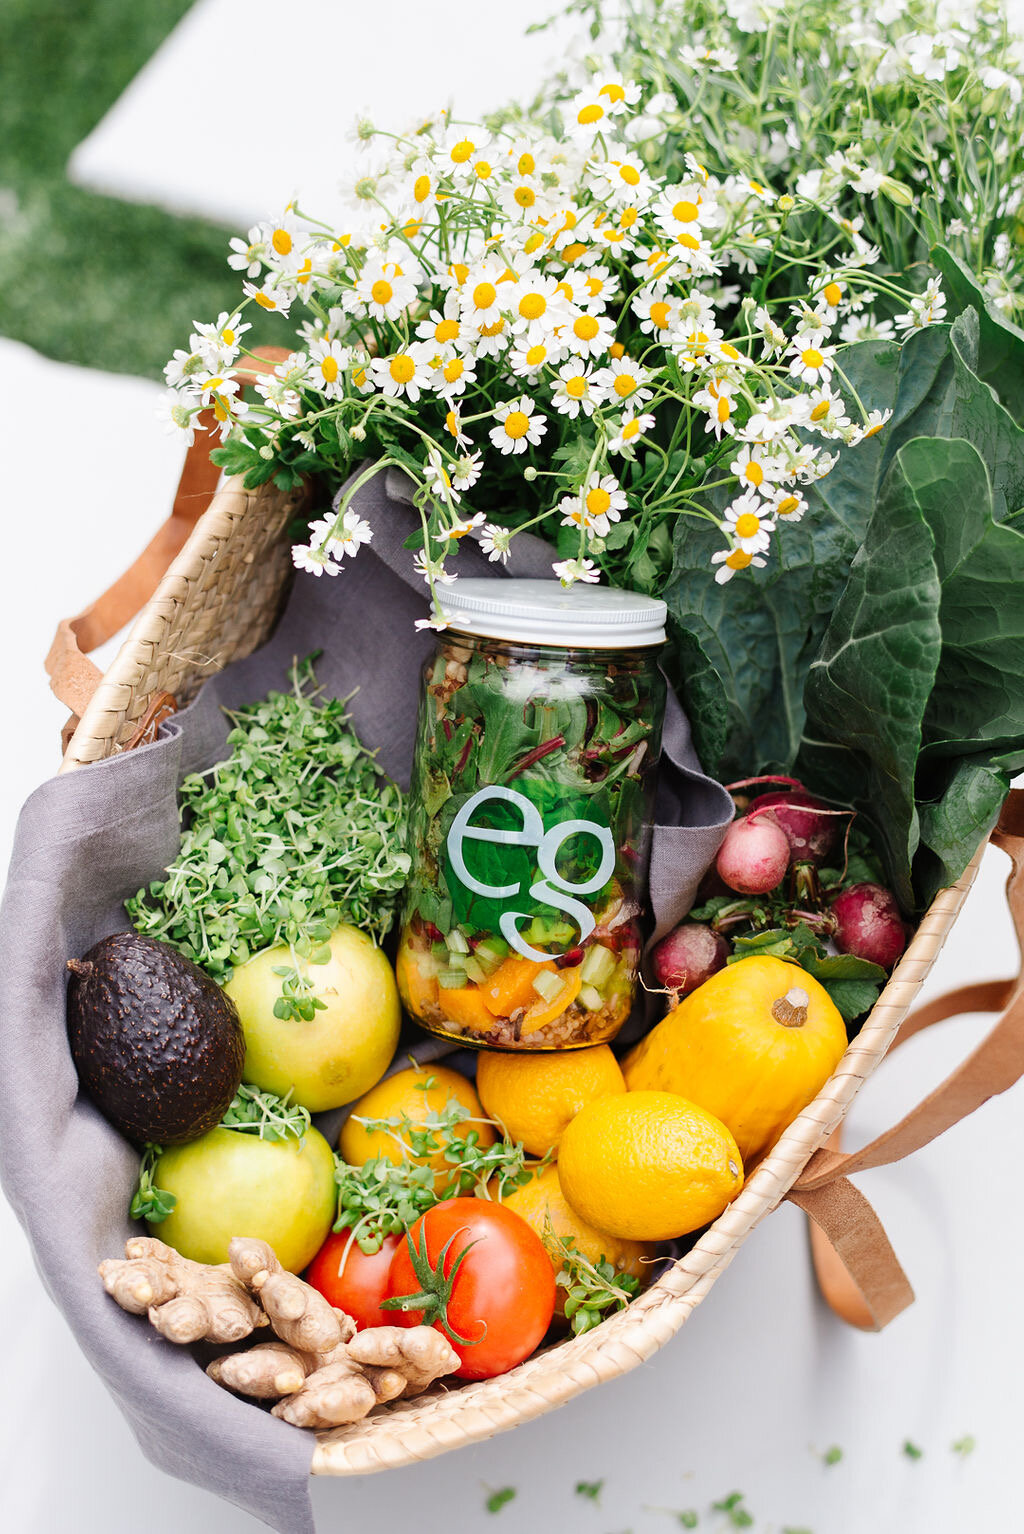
(87, 840)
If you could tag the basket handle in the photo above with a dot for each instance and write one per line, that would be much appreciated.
(857, 1270)
(73, 677)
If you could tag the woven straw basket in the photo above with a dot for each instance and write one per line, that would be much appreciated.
(207, 590)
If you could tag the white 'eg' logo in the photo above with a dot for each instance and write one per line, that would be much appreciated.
(552, 890)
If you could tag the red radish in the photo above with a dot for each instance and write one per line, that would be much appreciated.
(868, 924)
(688, 956)
(809, 825)
(754, 856)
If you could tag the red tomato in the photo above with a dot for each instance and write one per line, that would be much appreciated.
(492, 1283)
(358, 1286)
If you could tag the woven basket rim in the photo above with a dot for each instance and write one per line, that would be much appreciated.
(407, 1432)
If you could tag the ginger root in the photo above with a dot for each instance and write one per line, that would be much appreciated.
(321, 1372)
(186, 1301)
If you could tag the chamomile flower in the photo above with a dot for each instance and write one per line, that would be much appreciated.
(631, 430)
(453, 426)
(519, 425)
(536, 305)
(623, 381)
(435, 622)
(749, 524)
(812, 358)
(484, 296)
(623, 179)
(656, 309)
(717, 399)
(588, 114)
(927, 309)
(865, 327)
(494, 541)
(219, 344)
(248, 255)
(328, 361)
(588, 335)
(573, 389)
(618, 93)
(432, 570)
(444, 328)
(179, 412)
(383, 290)
(826, 411)
(754, 468)
(731, 561)
(274, 299)
(281, 240)
(871, 427)
(348, 535)
(313, 561)
(787, 505)
(684, 208)
(463, 146)
(596, 505)
(404, 374)
(618, 233)
(526, 359)
(437, 477)
(772, 334)
(595, 286)
(466, 470)
(569, 571)
(451, 375)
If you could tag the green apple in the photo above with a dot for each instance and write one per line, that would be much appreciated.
(230, 1183)
(346, 1047)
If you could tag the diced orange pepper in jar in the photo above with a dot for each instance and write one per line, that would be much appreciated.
(417, 990)
(511, 986)
(543, 1012)
(464, 1005)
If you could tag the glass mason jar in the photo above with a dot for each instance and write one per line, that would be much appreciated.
(530, 814)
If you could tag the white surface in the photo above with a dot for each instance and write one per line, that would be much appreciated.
(295, 83)
(760, 1382)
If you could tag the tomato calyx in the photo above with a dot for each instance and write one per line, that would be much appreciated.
(436, 1285)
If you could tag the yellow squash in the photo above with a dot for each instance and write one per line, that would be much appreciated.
(753, 1045)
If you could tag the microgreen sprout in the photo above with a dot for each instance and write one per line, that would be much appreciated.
(736, 1513)
(150, 1202)
(497, 1499)
(593, 1289)
(266, 1115)
(964, 1446)
(832, 1456)
(589, 1489)
(912, 1451)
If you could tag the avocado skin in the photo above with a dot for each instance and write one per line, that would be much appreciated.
(157, 1044)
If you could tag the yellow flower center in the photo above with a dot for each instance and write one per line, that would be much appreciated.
(382, 292)
(594, 285)
(526, 164)
(629, 174)
(630, 430)
(446, 330)
(598, 501)
(329, 369)
(613, 91)
(576, 388)
(730, 352)
(220, 408)
(738, 559)
(697, 340)
(228, 337)
(451, 422)
(534, 242)
(401, 368)
(565, 288)
(685, 212)
(461, 151)
(585, 327)
(265, 301)
(516, 424)
(591, 113)
(820, 410)
(833, 294)
(574, 251)
(787, 505)
(484, 295)
(811, 357)
(755, 186)
(724, 408)
(689, 241)
(873, 429)
(535, 356)
(628, 217)
(459, 271)
(484, 169)
(359, 377)
(659, 313)
(281, 241)
(747, 525)
(617, 349)
(454, 370)
(532, 305)
(624, 385)
(493, 330)
(754, 473)
(525, 196)
(421, 188)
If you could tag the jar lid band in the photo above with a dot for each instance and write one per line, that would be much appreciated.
(547, 613)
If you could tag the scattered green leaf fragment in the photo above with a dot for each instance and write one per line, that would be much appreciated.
(832, 1456)
(790, 1529)
(590, 1489)
(689, 1518)
(737, 1514)
(912, 1451)
(497, 1499)
(964, 1446)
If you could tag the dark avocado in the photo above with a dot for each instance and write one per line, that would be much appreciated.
(157, 1044)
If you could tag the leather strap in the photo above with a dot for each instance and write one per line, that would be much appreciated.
(73, 677)
(857, 1270)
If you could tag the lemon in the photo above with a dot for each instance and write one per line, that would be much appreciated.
(648, 1166)
(535, 1096)
(413, 1094)
(542, 1204)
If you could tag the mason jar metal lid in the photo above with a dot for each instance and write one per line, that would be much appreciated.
(546, 612)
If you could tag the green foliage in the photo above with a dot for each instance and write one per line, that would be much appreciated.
(148, 1201)
(593, 1290)
(497, 1499)
(266, 1115)
(296, 831)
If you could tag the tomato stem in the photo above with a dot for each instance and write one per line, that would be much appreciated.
(436, 1288)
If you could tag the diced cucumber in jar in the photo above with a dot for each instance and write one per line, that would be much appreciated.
(452, 979)
(439, 953)
(590, 998)
(549, 932)
(549, 984)
(598, 966)
(474, 970)
(492, 951)
(457, 941)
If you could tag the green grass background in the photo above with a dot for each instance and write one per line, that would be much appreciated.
(83, 278)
